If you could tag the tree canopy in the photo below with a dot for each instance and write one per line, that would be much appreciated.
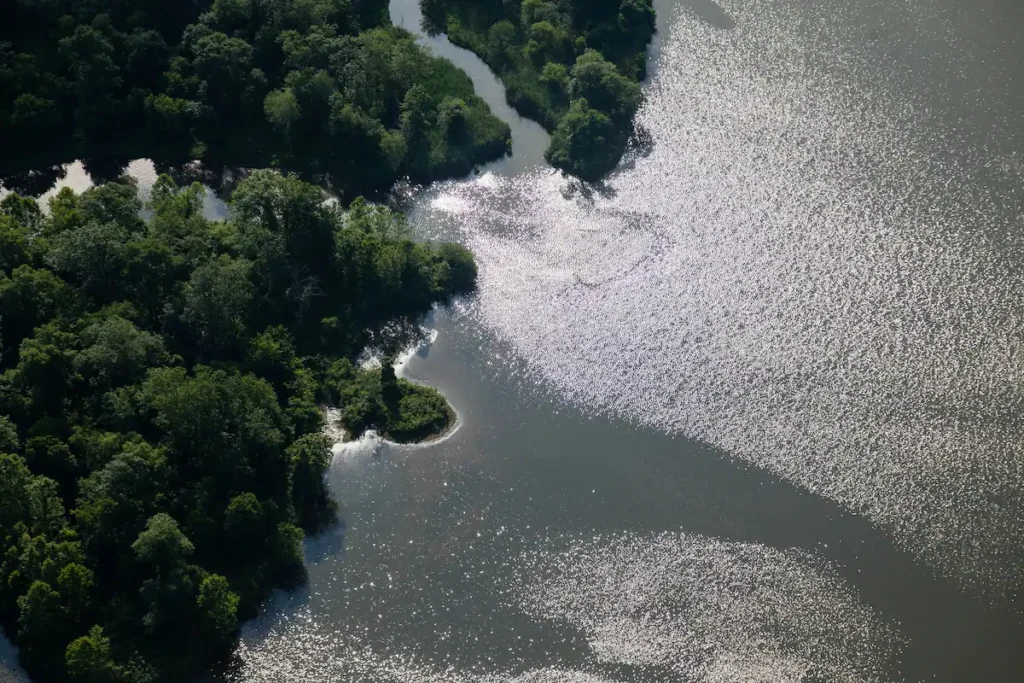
(161, 448)
(316, 86)
(569, 64)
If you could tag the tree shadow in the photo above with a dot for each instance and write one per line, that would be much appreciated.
(10, 669)
(326, 543)
(35, 182)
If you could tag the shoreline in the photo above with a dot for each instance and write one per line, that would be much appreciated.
(339, 436)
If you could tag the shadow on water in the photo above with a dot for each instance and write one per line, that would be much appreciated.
(327, 543)
(10, 670)
(711, 13)
(35, 182)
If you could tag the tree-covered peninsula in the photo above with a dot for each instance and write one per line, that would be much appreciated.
(572, 65)
(326, 88)
(161, 447)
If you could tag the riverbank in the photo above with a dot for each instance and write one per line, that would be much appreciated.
(574, 71)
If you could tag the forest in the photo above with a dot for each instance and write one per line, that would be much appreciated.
(325, 88)
(572, 65)
(161, 445)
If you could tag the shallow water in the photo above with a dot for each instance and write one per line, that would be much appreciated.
(746, 412)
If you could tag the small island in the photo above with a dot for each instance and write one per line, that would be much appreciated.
(397, 409)
(572, 65)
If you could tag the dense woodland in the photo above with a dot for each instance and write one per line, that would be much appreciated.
(572, 65)
(161, 447)
(324, 87)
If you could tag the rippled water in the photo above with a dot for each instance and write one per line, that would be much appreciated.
(814, 268)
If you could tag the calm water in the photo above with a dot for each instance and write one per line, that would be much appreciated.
(747, 412)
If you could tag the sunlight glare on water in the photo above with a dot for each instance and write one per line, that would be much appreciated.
(688, 607)
(804, 272)
(814, 268)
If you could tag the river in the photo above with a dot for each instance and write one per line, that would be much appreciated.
(746, 413)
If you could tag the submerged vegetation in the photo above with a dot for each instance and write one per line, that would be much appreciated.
(161, 447)
(323, 87)
(572, 65)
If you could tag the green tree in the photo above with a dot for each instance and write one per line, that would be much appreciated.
(116, 203)
(162, 545)
(9, 441)
(115, 352)
(502, 44)
(217, 302)
(42, 627)
(90, 57)
(272, 356)
(51, 457)
(556, 78)
(453, 119)
(46, 368)
(584, 144)
(218, 607)
(116, 501)
(89, 659)
(244, 522)
(597, 81)
(546, 43)
(14, 479)
(28, 299)
(14, 245)
(24, 211)
(417, 117)
(75, 584)
(308, 459)
(225, 66)
(91, 257)
(282, 110)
